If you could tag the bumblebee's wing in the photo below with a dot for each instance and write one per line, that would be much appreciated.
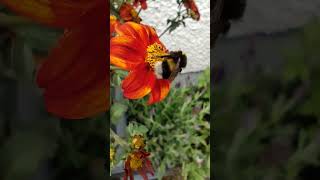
(175, 72)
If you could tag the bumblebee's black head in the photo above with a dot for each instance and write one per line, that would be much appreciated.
(179, 56)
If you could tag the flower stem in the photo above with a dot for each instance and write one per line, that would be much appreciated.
(139, 11)
(164, 31)
(175, 19)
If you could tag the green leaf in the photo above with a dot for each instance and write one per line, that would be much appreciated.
(117, 111)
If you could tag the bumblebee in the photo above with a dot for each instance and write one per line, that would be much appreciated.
(171, 65)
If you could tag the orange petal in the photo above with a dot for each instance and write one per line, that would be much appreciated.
(136, 31)
(125, 52)
(85, 103)
(138, 83)
(152, 34)
(75, 76)
(58, 13)
(128, 42)
(113, 23)
(159, 91)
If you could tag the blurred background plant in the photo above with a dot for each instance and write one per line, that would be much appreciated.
(267, 123)
(33, 144)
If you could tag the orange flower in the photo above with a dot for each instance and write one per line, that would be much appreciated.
(137, 48)
(128, 13)
(192, 9)
(74, 77)
(143, 3)
(113, 23)
(138, 161)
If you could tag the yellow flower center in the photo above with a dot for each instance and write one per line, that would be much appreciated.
(135, 162)
(138, 142)
(154, 54)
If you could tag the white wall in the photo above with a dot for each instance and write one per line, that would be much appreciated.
(194, 39)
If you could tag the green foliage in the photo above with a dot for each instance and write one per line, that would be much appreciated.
(178, 129)
(136, 129)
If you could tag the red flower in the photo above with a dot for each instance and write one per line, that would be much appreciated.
(192, 9)
(74, 77)
(128, 13)
(138, 161)
(143, 3)
(137, 48)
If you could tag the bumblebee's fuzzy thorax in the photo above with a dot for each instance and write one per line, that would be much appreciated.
(163, 69)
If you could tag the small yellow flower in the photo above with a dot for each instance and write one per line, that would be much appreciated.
(135, 162)
(138, 161)
(138, 142)
(112, 154)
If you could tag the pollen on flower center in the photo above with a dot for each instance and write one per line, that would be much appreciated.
(154, 54)
(135, 162)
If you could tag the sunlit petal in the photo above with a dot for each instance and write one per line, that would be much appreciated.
(125, 52)
(136, 31)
